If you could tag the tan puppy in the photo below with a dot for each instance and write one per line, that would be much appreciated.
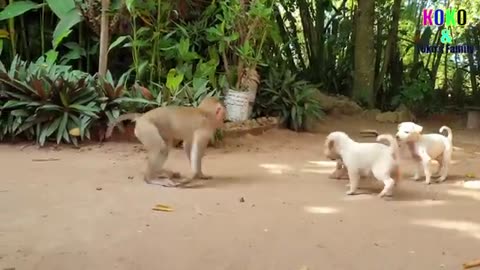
(427, 147)
(156, 130)
(362, 159)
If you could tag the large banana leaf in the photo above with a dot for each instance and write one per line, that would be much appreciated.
(18, 8)
(65, 10)
(69, 17)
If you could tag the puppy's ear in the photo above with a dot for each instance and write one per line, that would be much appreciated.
(331, 144)
(417, 128)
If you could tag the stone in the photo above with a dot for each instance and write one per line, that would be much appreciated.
(371, 114)
(338, 104)
(404, 114)
(387, 117)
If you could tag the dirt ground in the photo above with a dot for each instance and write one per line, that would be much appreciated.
(270, 207)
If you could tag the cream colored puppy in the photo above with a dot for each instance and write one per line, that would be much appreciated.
(362, 159)
(427, 147)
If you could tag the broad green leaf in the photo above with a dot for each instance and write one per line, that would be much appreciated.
(16, 123)
(130, 6)
(134, 100)
(118, 41)
(53, 126)
(13, 103)
(174, 80)
(109, 78)
(53, 107)
(141, 69)
(66, 137)
(18, 8)
(62, 128)
(61, 7)
(13, 66)
(43, 135)
(64, 99)
(51, 57)
(183, 47)
(82, 108)
(76, 51)
(64, 27)
(123, 79)
(20, 112)
(74, 140)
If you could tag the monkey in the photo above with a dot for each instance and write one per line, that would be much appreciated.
(158, 128)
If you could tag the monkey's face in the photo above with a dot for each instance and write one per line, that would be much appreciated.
(220, 114)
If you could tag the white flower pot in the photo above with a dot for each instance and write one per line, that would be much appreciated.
(239, 104)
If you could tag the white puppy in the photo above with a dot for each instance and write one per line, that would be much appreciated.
(361, 159)
(426, 147)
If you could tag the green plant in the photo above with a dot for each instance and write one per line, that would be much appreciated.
(46, 100)
(66, 11)
(284, 95)
(3, 117)
(168, 66)
(239, 35)
(114, 97)
(417, 94)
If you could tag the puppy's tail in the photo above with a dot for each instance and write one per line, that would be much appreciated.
(393, 144)
(449, 132)
(395, 173)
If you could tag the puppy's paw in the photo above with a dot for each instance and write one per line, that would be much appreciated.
(164, 182)
(350, 192)
(441, 179)
(201, 176)
(385, 194)
(169, 174)
(387, 197)
(333, 176)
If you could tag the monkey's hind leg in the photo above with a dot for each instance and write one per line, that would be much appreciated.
(157, 154)
(200, 143)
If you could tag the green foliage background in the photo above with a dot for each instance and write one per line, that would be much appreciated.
(165, 52)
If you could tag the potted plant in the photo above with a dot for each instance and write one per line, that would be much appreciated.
(240, 35)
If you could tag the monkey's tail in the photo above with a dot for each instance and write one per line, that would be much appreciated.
(121, 118)
(393, 144)
(449, 133)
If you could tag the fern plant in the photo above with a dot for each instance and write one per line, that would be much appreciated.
(294, 100)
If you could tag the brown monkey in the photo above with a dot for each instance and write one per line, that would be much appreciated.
(340, 171)
(157, 128)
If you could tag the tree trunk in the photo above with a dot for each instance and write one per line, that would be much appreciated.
(390, 44)
(378, 47)
(104, 39)
(471, 64)
(437, 59)
(364, 69)
(318, 34)
(285, 36)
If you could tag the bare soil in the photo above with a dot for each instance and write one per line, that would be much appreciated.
(270, 206)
